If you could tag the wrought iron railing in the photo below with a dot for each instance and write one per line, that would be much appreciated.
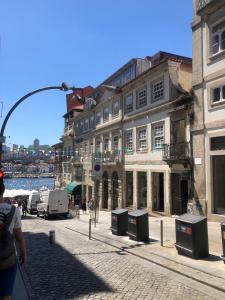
(108, 156)
(179, 151)
(202, 3)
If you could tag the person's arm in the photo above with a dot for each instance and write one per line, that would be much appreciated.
(20, 241)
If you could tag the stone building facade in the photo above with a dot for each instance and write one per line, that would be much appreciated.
(208, 131)
(136, 125)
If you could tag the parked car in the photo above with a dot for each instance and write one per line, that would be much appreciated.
(53, 203)
(33, 200)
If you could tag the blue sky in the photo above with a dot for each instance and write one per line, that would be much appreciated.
(80, 42)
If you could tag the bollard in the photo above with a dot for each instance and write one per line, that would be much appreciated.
(52, 236)
(95, 217)
(89, 229)
(161, 232)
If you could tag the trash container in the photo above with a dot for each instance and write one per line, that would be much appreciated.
(119, 221)
(223, 240)
(138, 226)
(192, 236)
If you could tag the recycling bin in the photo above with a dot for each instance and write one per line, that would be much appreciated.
(192, 236)
(138, 226)
(223, 240)
(119, 221)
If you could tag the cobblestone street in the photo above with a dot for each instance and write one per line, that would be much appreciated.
(79, 268)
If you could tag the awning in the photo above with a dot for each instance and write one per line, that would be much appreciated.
(71, 186)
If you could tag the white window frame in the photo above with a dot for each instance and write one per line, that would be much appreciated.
(158, 89)
(128, 107)
(142, 141)
(81, 126)
(98, 117)
(158, 136)
(106, 142)
(98, 149)
(221, 87)
(218, 33)
(86, 124)
(141, 97)
(129, 141)
(105, 116)
(92, 122)
(115, 147)
(114, 115)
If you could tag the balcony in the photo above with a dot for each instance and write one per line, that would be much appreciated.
(176, 152)
(108, 156)
(68, 131)
(208, 6)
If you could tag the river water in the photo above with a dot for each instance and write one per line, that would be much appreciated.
(28, 183)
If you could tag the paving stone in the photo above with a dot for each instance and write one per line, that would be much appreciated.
(76, 268)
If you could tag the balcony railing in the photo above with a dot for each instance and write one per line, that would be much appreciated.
(208, 6)
(202, 3)
(68, 131)
(176, 152)
(108, 156)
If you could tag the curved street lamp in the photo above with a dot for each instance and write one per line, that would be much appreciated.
(62, 87)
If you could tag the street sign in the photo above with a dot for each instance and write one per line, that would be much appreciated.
(96, 168)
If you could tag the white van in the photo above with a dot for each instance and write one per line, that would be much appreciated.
(53, 203)
(33, 200)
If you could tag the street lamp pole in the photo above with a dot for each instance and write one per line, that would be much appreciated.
(62, 87)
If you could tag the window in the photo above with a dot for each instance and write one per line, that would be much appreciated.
(218, 38)
(106, 145)
(98, 117)
(157, 90)
(105, 114)
(97, 146)
(158, 136)
(81, 126)
(218, 143)
(92, 122)
(141, 98)
(218, 94)
(115, 143)
(86, 124)
(115, 109)
(129, 141)
(128, 100)
(142, 139)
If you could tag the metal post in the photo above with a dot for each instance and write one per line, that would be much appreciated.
(89, 229)
(52, 236)
(161, 232)
(63, 87)
(95, 215)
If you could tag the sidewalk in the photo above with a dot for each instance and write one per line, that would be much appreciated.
(209, 271)
(19, 292)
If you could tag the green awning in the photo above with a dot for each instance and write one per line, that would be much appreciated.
(71, 186)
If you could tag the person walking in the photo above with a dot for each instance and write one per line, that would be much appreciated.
(24, 208)
(84, 208)
(10, 229)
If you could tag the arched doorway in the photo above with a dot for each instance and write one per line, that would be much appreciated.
(115, 186)
(105, 190)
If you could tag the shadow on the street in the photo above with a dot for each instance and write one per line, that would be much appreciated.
(28, 217)
(212, 257)
(55, 273)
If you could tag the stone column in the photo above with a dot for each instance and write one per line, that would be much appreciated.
(149, 191)
(167, 192)
(109, 194)
(120, 204)
(135, 189)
